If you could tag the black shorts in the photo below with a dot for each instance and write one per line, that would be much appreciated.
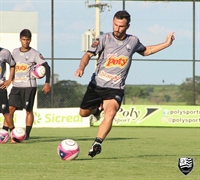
(95, 95)
(4, 107)
(22, 98)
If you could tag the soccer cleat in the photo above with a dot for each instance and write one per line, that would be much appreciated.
(26, 138)
(95, 149)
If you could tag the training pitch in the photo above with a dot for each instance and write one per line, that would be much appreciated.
(128, 153)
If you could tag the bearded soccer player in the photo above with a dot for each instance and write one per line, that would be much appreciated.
(106, 88)
(24, 88)
(6, 58)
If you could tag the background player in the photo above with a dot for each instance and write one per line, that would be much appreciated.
(24, 88)
(114, 50)
(6, 58)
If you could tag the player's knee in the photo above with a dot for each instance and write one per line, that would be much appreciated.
(11, 109)
(111, 113)
(84, 113)
(29, 113)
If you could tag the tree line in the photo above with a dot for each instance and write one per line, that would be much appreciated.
(67, 93)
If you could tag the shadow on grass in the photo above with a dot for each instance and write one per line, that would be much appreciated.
(39, 139)
(99, 158)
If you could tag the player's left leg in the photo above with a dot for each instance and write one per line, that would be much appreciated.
(29, 99)
(29, 123)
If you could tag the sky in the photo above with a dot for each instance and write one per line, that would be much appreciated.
(151, 22)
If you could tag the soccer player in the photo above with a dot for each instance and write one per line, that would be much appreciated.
(106, 88)
(24, 88)
(6, 58)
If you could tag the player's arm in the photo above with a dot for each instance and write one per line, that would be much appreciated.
(84, 62)
(46, 88)
(156, 48)
(11, 77)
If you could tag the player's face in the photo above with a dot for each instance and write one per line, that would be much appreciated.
(25, 41)
(119, 28)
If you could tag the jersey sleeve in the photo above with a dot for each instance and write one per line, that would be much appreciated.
(39, 59)
(98, 45)
(10, 60)
(140, 47)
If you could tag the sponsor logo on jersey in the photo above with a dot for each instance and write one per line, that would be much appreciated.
(21, 67)
(114, 61)
(115, 78)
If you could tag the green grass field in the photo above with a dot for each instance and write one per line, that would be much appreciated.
(128, 153)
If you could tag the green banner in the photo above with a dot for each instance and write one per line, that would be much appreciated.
(143, 115)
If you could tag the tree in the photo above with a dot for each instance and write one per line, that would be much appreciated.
(186, 90)
(135, 92)
(67, 93)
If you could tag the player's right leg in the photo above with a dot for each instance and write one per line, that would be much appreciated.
(110, 109)
(4, 109)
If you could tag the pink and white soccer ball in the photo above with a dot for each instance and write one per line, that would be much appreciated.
(4, 136)
(68, 149)
(38, 71)
(18, 134)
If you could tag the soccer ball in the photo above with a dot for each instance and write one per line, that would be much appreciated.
(68, 149)
(18, 134)
(38, 71)
(4, 136)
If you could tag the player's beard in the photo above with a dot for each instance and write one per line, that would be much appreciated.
(119, 35)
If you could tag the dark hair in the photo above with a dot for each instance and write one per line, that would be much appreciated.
(26, 33)
(122, 15)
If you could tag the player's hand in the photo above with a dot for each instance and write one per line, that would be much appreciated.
(5, 84)
(79, 72)
(170, 38)
(46, 88)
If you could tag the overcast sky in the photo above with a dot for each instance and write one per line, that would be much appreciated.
(150, 21)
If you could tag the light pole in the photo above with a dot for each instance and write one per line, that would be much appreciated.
(52, 52)
(194, 89)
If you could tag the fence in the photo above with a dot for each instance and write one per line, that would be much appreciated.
(155, 85)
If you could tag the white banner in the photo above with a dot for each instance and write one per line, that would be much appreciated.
(62, 117)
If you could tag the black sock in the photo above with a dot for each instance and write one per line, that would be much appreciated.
(99, 140)
(5, 128)
(28, 130)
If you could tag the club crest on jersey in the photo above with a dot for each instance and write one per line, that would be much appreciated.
(114, 61)
(41, 56)
(128, 47)
(95, 43)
